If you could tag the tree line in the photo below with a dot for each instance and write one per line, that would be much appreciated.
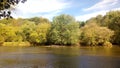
(63, 30)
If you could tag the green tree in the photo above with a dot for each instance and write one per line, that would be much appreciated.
(93, 35)
(39, 35)
(81, 23)
(8, 33)
(38, 20)
(98, 20)
(8, 21)
(64, 30)
(112, 21)
(26, 30)
(2, 33)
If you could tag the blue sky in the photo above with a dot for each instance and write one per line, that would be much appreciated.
(82, 10)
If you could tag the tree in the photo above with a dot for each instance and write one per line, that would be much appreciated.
(81, 23)
(8, 33)
(8, 21)
(32, 33)
(38, 20)
(39, 35)
(93, 35)
(64, 30)
(112, 21)
(26, 30)
(2, 33)
(5, 6)
(98, 20)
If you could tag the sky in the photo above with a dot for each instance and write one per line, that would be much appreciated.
(81, 10)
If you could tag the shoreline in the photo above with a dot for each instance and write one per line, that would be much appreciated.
(27, 44)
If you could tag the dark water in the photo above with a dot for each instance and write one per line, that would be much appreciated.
(62, 57)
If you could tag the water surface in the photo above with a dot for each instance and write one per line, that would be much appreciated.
(59, 57)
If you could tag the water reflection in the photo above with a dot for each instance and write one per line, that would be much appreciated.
(64, 57)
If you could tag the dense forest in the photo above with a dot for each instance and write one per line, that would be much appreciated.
(63, 30)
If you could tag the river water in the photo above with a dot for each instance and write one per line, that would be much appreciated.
(59, 57)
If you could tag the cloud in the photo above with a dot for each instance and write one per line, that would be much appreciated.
(51, 15)
(93, 14)
(51, 8)
(103, 5)
(89, 15)
(99, 8)
(40, 7)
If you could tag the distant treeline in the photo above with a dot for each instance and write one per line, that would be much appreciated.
(63, 30)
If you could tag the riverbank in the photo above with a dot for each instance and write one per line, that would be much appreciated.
(27, 44)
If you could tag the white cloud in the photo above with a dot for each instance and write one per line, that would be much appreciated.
(94, 14)
(51, 8)
(40, 7)
(88, 16)
(99, 8)
(103, 5)
(50, 15)
(116, 9)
